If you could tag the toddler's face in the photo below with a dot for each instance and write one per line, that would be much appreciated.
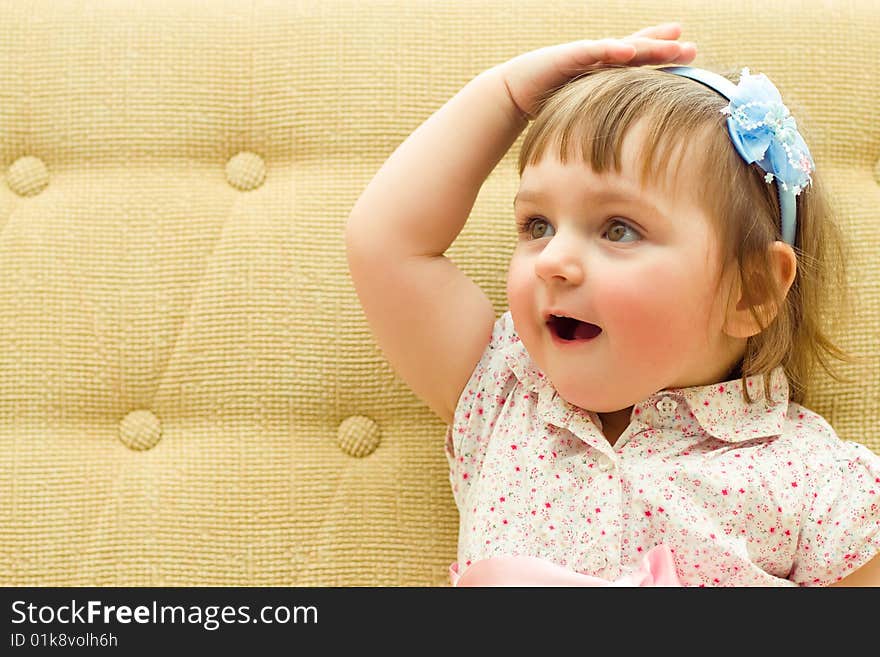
(641, 263)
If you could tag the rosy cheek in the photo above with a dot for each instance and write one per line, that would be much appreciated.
(643, 305)
(517, 282)
(521, 298)
(626, 306)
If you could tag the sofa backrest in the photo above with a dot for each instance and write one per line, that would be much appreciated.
(189, 392)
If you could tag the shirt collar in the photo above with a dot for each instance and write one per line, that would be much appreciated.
(718, 409)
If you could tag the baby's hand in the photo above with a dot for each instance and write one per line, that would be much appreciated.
(529, 76)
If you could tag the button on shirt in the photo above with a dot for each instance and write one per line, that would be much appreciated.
(743, 494)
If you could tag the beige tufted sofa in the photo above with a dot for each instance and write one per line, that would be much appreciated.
(189, 393)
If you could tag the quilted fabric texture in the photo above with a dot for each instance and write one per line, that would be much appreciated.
(189, 392)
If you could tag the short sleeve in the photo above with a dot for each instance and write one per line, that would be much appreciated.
(478, 407)
(841, 529)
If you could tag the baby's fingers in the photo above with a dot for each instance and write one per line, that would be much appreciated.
(654, 51)
(662, 31)
(530, 75)
(632, 51)
(658, 44)
(582, 54)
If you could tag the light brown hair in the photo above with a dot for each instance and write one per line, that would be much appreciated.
(590, 116)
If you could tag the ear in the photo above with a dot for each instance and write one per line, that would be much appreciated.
(740, 320)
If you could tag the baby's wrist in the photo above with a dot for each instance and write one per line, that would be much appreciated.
(497, 80)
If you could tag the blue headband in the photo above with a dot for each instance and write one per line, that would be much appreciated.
(764, 132)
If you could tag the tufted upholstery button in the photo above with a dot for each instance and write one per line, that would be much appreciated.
(27, 176)
(246, 171)
(140, 430)
(358, 436)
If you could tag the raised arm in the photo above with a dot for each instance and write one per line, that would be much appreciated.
(430, 320)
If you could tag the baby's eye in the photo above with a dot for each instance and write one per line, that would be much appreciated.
(534, 227)
(619, 231)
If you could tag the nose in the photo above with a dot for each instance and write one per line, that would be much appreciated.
(561, 259)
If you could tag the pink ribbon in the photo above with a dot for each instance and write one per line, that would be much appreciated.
(657, 568)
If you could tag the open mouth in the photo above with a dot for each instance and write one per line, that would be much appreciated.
(570, 329)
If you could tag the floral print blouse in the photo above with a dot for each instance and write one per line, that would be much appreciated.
(760, 494)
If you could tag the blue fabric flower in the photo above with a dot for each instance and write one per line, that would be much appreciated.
(763, 131)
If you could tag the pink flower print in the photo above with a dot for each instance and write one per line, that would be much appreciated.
(670, 477)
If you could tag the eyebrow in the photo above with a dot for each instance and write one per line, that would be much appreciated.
(603, 195)
(527, 196)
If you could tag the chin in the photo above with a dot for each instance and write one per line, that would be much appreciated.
(597, 401)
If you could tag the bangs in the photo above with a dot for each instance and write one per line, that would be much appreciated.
(590, 118)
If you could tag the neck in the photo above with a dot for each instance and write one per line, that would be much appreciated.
(615, 423)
